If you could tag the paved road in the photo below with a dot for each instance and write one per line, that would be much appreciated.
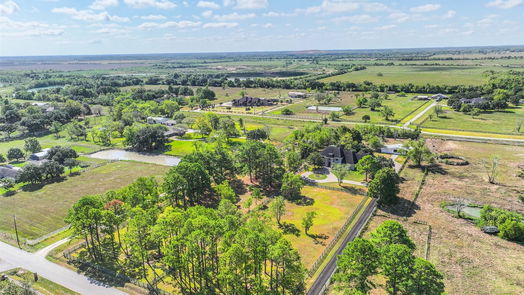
(420, 114)
(319, 284)
(11, 257)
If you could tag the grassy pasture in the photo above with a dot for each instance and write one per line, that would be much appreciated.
(43, 286)
(332, 207)
(419, 75)
(43, 210)
(493, 121)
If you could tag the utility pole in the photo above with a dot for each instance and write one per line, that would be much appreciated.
(16, 232)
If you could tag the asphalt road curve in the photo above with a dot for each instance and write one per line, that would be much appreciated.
(327, 272)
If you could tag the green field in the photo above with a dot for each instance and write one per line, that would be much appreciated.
(495, 121)
(43, 210)
(402, 107)
(418, 75)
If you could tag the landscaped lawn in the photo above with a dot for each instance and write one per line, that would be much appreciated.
(317, 176)
(498, 122)
(180, 147)
(332, 207)
(419, 75)
(43, 210)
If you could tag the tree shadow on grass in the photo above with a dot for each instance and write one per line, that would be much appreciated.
(238, 186)
(290, 228)
(353, 190)
(31, 187)
(319, 238)
(98, 277)
(303, 201)
(403, 208)
(436, 169)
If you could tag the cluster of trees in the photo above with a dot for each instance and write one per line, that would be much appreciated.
(509, 223)
(388, 253)
(213, 125)
(501, 90)
(145, 138)
(57, 158)
(205, 250)
(27, 118)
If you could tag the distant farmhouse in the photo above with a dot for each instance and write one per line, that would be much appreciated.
(473, 101)
(44, 106)
(39, 156)
(439, 97)
(161, 120)
(9, 171)
(249, 101)
(338, 155)
(294, 94)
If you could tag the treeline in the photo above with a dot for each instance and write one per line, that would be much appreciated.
(28, 118)
(500, 91)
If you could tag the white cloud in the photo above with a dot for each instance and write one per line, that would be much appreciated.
(399, 17)
(375, 6)
(357, 19)
(234, 16)
(8, 7)
(180, 25)
(488, 20)
(450, 14)
(268, 25)
(425, 8)
(153, 17)
(333, 6)
(88, 15)
(11, 28)
(279, 14)
(504, 4)
(249, 4)
(386, 27)
(208, 4)
(161, 4)
(103, 4)
(220, 25)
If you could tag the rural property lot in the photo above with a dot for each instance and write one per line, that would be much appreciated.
(418, 75)
(493, 121)
(42, 211)
(472, 262)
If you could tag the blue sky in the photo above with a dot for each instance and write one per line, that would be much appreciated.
(56, 27)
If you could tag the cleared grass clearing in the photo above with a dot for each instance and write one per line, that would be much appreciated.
(419, 75)
(496, 121)
(43, 210)
(332, 207)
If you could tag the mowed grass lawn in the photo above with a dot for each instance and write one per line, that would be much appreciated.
(333, 208)
(402, 107)
(419, 75)
(498, 122)
(42, 211)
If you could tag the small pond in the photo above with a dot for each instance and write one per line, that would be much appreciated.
(43, 88)
(470, 211)
(116, 154)
(326, 109)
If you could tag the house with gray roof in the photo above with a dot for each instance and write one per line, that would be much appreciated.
(337, 155)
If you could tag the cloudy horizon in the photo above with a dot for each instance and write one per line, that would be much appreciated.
(56, 27)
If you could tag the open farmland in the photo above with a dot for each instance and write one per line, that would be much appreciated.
(418, 75)
(42, 210)
(489, 121)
